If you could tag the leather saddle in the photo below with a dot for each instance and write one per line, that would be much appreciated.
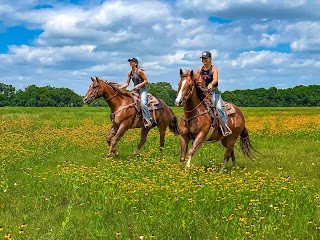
(153, 102)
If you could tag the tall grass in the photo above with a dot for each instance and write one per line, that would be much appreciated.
(55, 183)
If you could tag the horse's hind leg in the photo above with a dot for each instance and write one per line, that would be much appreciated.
(162, 131)
(143, 138)
(228, 143)
(233, 157)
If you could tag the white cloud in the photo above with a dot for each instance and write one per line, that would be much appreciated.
(304, 35)
(80, 41)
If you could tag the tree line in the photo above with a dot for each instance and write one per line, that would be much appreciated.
(33, 96)
(299, 96)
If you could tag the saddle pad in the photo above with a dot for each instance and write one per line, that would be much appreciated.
(153, 102)
(228, 108)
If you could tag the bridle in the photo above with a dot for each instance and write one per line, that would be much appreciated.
(188, 94)
(189, 111)
(96, 90)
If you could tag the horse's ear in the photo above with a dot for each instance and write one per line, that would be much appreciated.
(97, 79)
(181, 72)
(191, 73)
(92, 79)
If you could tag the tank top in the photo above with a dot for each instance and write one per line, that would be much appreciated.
(207, 76)
(137, 79)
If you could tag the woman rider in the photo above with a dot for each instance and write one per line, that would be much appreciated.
(139, 80)
(209, 74)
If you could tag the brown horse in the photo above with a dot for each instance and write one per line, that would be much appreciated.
(196, 123)
(124, 112)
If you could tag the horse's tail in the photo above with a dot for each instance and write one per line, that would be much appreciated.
(245, 144)
(173, 124)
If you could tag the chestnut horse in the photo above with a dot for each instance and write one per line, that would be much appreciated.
(123, 114)
(196, 123)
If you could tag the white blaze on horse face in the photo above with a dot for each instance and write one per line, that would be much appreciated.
(178, 99)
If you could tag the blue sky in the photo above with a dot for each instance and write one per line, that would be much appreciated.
(254, 43)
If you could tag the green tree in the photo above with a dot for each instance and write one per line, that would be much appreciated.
(164, 91)
(6, 92)
(34, 96)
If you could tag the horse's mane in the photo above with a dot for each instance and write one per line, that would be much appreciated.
(116, 86)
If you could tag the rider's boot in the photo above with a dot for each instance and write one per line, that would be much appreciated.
(226, 131)
(147, 122)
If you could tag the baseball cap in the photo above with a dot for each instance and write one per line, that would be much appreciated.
(206, 54)
(133, 60)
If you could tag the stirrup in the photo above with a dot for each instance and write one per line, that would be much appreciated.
(147, 122)
(226, 131)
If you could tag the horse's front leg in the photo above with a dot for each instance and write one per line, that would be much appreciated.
(124, 126)
(184, 141)
(196, 144)
(111, 134)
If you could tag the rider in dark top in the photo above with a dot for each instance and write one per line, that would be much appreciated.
(209, 74)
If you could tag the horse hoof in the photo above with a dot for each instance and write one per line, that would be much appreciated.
(116, 154)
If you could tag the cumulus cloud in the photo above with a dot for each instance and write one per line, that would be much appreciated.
(93, 38)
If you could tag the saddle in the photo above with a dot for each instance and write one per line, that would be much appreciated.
(225, 130)
(153, 102)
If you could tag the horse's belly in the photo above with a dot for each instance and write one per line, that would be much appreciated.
(215, 136)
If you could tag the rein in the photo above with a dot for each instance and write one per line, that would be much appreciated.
(124, 107)
(193, 117)
(194, 108)
(199, 114)
(112, 95)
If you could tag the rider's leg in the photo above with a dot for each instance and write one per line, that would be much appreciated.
(144, 105)
(218, 100)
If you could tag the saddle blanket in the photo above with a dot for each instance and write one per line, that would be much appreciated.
(228, 108)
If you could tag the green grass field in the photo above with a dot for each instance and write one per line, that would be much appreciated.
(55, 183)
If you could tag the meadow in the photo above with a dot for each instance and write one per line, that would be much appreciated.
(56, 184)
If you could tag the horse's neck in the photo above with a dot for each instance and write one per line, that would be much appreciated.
(193, 103)
(114, 98)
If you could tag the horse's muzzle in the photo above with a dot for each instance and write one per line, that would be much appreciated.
(178, 103)
(87, 100)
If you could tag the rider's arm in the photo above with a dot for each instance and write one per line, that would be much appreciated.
(127, 82)
(199, 70)
(145, 80)
(215, 77)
